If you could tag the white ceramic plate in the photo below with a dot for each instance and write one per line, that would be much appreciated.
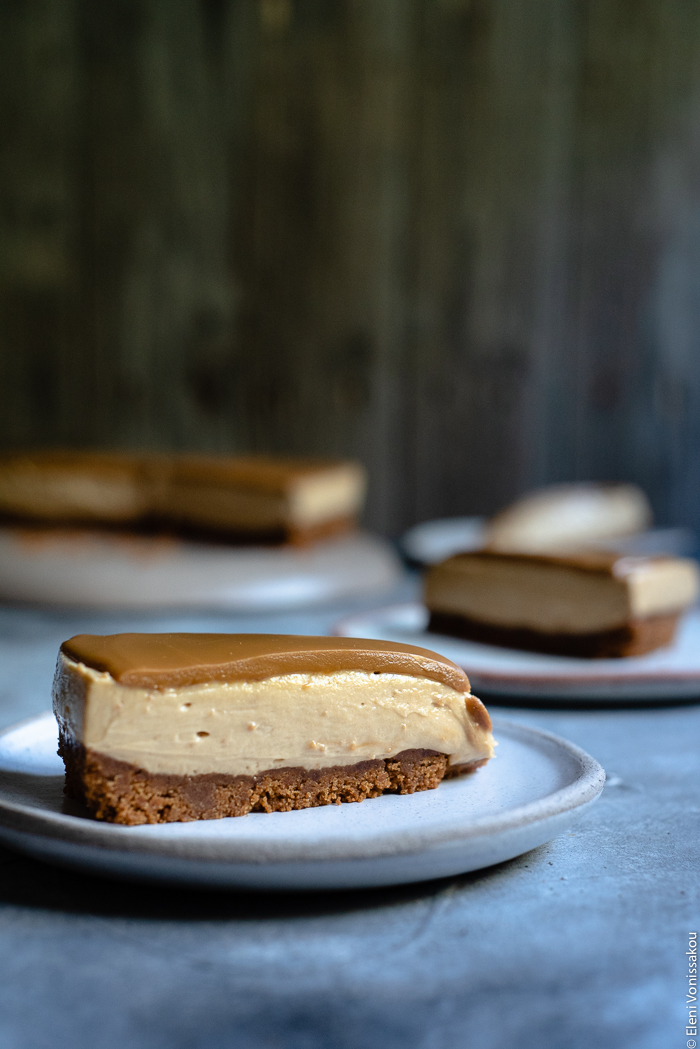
(433, 541)
(667, 674)
(100, 570)
(537, 787)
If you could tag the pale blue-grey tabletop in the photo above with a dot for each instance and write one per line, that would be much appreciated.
(580, 943)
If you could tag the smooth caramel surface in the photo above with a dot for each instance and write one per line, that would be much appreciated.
(256, 472)
(161, 661)
(584, 559)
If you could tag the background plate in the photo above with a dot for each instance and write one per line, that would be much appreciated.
(537, 787)
(102, 570)
(670, 673)
(433, 541)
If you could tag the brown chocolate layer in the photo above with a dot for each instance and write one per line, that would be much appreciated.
(282, 535)
(633, 639)
(153, 527)
(176, 660)
(122, 793)
(288, 534)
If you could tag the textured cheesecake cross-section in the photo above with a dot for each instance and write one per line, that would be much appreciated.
(167, 727)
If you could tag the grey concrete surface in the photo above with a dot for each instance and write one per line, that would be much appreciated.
(577, 944)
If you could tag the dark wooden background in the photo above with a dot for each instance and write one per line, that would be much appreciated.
(457, 238)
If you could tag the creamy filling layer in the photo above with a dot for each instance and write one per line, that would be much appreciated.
(557, 599)
(245, 727)
(323, 496)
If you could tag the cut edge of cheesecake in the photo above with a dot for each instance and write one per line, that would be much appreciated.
(208, 723)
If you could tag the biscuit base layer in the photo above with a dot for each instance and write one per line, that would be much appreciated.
(633, 639)
(122, 793)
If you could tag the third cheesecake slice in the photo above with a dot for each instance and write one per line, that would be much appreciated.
(587, 603)
(166, 727)
(256, 498)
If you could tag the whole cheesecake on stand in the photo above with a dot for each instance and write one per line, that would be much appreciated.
(241, 533)
(241, 498)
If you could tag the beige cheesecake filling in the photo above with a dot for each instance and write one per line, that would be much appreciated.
(554, 598)
(315, 498)
(292, 720)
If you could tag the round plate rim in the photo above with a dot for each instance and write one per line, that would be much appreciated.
(323, 563)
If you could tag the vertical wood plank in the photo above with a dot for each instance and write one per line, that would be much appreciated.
(491, 245)
(39, 266)
(638, 194)
(159, 292)
(319, 244)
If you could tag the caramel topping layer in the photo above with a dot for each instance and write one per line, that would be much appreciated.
(255, 472)
(264, 473)
(583, 559)
(60, 460)
(160, 661)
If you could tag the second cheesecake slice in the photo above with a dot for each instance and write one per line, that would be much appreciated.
(166, 727)
(586, 603)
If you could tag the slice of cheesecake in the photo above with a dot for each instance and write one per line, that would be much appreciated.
(157, 728)
(298, 500)
(586, 603)
(567, 515)
(240, 498)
